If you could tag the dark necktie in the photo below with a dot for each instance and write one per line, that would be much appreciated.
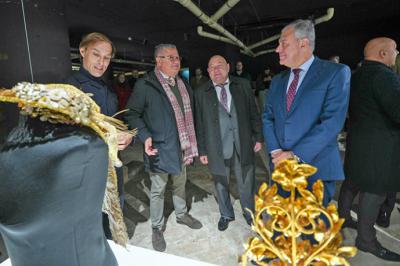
(291, 93)
(223, 96)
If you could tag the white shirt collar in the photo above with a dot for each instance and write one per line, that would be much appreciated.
(226, 81)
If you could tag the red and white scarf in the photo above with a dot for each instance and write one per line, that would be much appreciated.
(184, 121)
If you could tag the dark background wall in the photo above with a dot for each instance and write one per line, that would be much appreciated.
(56, 26)
(348, 43)
(47, 33)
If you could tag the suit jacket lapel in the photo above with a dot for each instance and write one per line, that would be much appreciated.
(235, 94)
(307, 83)
(212, 94)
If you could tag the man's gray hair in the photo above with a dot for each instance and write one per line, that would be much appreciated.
(304, 29)
(159, 48)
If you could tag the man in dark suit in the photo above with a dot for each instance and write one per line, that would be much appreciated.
(306, 107)
(161, 109)
(228, 129)
(372, 162)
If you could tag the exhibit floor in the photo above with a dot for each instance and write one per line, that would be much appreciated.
(208, 245)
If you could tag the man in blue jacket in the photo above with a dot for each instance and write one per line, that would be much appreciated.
(306, 107)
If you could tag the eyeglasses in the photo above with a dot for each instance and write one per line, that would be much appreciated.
(171, 58)
(216, 67)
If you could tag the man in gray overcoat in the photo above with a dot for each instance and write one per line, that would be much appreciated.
(228, 129)
(372, 162)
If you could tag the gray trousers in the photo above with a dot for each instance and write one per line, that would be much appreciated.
(158, 185)
(245, 179)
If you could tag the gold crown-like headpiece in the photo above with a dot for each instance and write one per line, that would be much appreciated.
(65, 104)
(285, 226)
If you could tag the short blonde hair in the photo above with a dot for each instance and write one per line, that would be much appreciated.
(94, 37)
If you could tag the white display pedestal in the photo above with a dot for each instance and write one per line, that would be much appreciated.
(136, 256)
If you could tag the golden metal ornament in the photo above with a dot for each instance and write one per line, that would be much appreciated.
(285, 226)
(65, 104)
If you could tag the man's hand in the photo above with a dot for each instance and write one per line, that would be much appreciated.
(257, 147)
(124, 140)
(279, 156)
(204, 159)
(276, 153)
(148, 143)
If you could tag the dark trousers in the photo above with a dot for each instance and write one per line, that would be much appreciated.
(349, 191)
(369, 206)
(245, 178)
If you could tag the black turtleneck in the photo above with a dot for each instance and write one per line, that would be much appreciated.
(101, 94)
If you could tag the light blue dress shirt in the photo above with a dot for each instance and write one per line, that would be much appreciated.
(304, 68)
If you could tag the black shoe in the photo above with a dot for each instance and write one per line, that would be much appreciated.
(383, 223)
(349, 224)
(223, 223)
(383, 220)
(158, 240)
(383, 253)
(248, 219)
(188, 220)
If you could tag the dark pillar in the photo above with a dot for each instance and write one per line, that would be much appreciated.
(49, 51)
(47, 35)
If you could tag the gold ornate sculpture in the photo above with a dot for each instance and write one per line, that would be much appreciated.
(284, 238)
(65, 104)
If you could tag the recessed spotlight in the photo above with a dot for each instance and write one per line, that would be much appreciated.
(129, 38)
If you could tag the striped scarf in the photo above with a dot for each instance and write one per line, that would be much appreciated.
(184, 121)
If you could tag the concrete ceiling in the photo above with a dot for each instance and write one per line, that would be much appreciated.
(136, 26)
